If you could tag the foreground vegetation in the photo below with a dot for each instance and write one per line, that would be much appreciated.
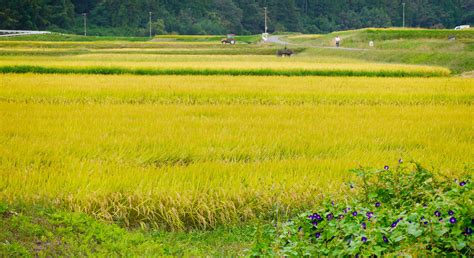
(406, 210)
(29, 231)
(403, 211)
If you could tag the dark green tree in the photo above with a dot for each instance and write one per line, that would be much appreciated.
(131, 17)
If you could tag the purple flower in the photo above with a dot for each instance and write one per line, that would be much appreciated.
(468, 231)
(450, 213)
(354, 213)
(385, 239)
(377, 204)
(330, 216)
(332, 203)
(441, 220)
(317, 235)
(300, 228)
(422, 217)
(452, 220)
(426, 222)
(346, 210)
(462, 183)
(364, 239)
(315, 216)
(437, 214)
(394, 224)
(370, 214)
(364, 226)
(341, 216)
(400, 161)
(386, 167)
(315, 223)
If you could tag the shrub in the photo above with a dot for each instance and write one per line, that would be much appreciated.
(407, 210)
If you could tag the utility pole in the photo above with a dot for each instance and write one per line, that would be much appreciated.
(403, 4)
(150, 24)
(265, 19)
(85, 23)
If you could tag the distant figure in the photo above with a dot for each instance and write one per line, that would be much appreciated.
(338, 41)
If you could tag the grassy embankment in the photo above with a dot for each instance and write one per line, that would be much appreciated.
(58, 37)
(29, 230)
(207, 38)
(409, 46)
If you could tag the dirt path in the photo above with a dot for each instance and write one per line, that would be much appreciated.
(278, 40)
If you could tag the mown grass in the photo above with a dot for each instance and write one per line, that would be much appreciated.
(162, 153)
(409, 33)
(70, 37)
(208, 38)
(379, 35)
(409, 46)
(456, 62)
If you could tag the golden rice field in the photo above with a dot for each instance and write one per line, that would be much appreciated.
(220, 62)
(179, 152)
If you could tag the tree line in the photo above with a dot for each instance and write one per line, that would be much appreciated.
(131, 17)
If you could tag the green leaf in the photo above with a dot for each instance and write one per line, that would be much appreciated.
(373, 195)
(414, 230)
(441, 231)
(398, 239)
(460, 244)
(3, 208)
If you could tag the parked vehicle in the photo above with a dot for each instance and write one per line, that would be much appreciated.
(229, 40)
(462, 27)
(285, 52)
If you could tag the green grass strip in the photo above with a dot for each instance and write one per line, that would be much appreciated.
(209, 72)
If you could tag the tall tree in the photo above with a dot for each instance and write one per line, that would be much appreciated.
(131, 17)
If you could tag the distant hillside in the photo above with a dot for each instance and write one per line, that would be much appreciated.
(217, 17)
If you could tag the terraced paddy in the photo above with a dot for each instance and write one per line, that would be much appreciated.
(161, 64)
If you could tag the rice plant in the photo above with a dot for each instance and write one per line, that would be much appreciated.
(162, 152)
